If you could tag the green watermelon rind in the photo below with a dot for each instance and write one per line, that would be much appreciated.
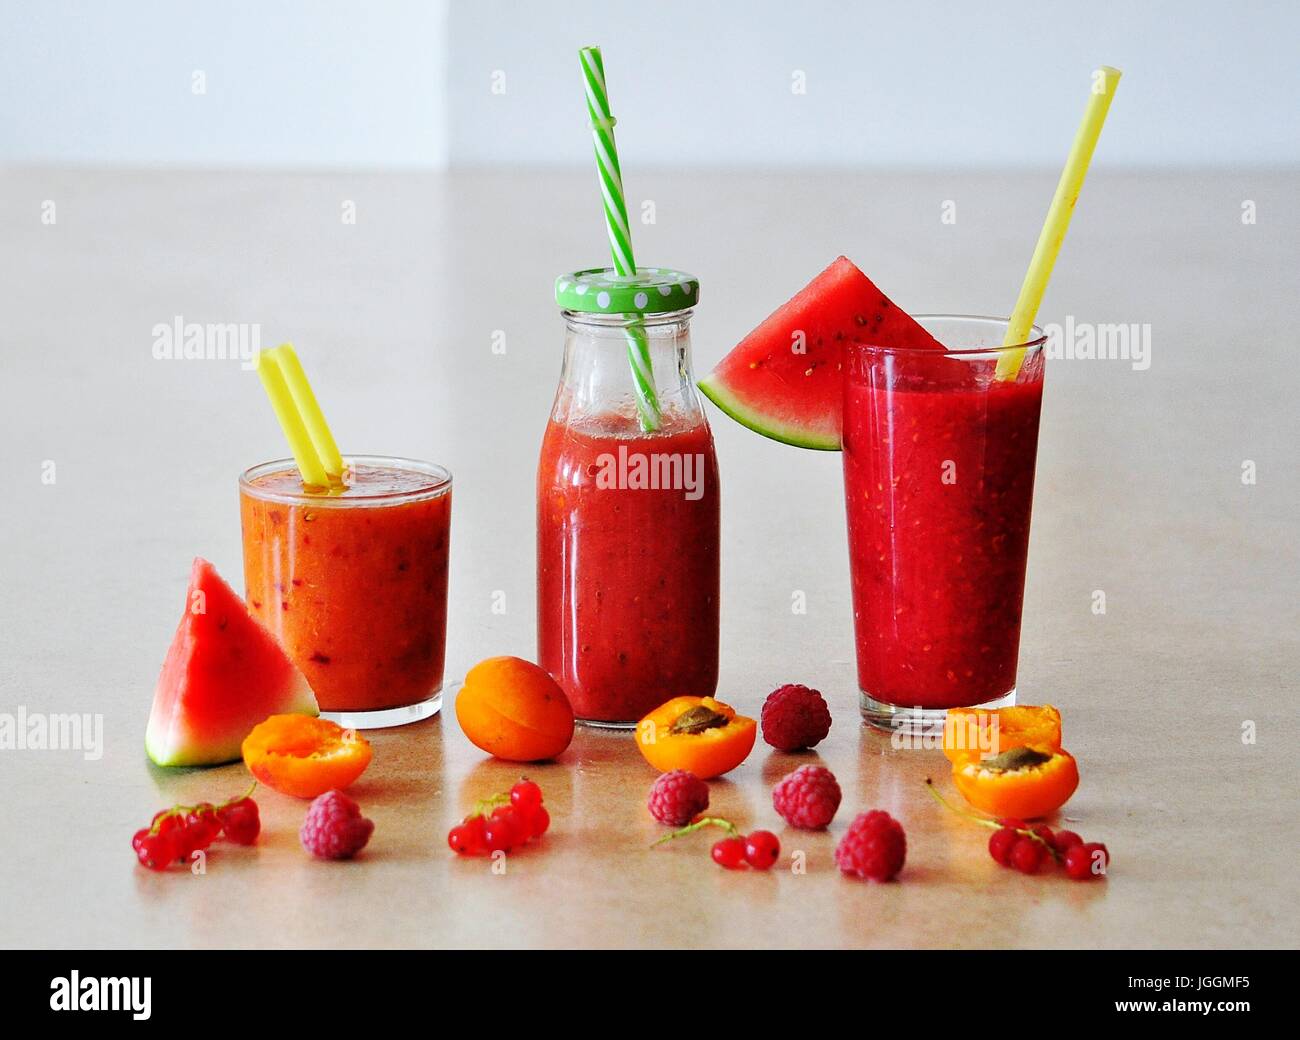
(753, 418)
(172, 752)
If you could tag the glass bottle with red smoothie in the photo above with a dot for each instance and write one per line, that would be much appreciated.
(627, 504)
(939, 480)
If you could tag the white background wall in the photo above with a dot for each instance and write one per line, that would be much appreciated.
(409, 82)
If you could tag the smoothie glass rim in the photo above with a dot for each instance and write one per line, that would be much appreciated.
(1038, 340)
(440, 483)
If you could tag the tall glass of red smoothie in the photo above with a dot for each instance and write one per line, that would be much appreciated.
(627, 517)
(939, 479)
(353, 582)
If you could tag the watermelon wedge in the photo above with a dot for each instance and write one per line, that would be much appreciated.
(223, 675)
(783, 379)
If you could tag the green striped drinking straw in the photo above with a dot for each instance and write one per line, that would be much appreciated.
(616, 223)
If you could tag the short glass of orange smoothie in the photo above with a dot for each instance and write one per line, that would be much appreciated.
(353, 582)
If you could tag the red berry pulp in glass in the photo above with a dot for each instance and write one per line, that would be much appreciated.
(353, 583)
(939, 480)
(627, 576)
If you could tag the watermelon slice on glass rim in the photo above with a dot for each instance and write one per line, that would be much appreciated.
(783, 380)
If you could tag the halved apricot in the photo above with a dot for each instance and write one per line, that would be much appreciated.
(514, 710)
(698, 734)
(976, 732)
(1025, 782)
(304, 756)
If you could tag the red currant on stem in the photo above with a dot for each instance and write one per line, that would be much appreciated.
(1065, 840)
(1001, 842)
(469, 837)
(458, 840)
(502, 822)
(165, 820)
(1027, 855)
(1087, 861)
(759, 849)
(510, 823)
(1009, 835)
(526, 796)
(242, 821)
(498, 836)
(476, 835)
(158, 851)
(180, 831)
(762, 849)
(540, 821)
(729, 853)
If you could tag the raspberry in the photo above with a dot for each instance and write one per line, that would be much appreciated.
(873, 847)
(334, 827)
(678, 797)
(807, 798)
(795, 717)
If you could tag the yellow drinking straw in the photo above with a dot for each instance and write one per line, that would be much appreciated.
(312, 417)
(1104, 82)
(300, 417)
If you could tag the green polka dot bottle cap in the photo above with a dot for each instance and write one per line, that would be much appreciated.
(652, 290)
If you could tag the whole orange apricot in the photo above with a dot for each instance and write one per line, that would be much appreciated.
(514, 710)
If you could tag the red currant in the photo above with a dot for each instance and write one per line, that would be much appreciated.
(167, 820)
(762, 849)
(138, 838)
(1086, 862)
(158, 851)
(1065, 840)
(539, 822)
(190, 840)
(476, 835)
(241, 821)
(460, 840)
(1027, 855)
(200, 830)
(1045, 832)
(501, 832)
(729, 853)
(498, 838)
(1001, 843)
(526, 796)
(1014, 823)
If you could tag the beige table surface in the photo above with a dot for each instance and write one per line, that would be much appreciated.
(1140, 495)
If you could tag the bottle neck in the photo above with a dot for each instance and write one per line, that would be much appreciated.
(597, 381)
